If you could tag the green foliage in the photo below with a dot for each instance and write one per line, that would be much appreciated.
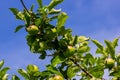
(3, 71)
(69, 54)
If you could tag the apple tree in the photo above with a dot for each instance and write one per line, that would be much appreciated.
(71, 56)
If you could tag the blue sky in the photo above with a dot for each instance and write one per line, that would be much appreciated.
(98, 19)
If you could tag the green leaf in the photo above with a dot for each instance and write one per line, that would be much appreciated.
(97, 71)
(82, 39)
(71, 71)
(23, 73)
(32, 69)
(83, 49)
(53, 70)
(57, 60)
(115, 73)
(5, 77)
(75, 40)
(61, 20)
(1, 63)
(54, 3)
(110, 47)
(89, 59)
(54, 11)
(14, 77)
(31, 8)
(40, 3)
(3, 71)
(115, 42)
(98, 44)
(18, 28)
(19, 15)
(14, 11)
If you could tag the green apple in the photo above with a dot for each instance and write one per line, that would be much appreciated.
(70, 51)
(110, 62)
(32, 68)
(57, 77)
(32, 29)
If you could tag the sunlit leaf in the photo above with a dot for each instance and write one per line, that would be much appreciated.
(54, 11)
(57, 60)
(3, 71)
(23, 73)
(53, 70)
(1, 63)
(83, 49)
(61, 20)
(54, 3)
(82, 39)
(98, 44)
(32, 68)
(5, 77)
(97, 71)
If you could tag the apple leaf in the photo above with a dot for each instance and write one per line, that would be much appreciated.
(14, 77)
(115, 42)
(1, 63)
(40, 3)
(23, 73)
(98, 44)
(110, 47)
(3, 71)
(18, 28)
(61, 20)
(53, 70)
(57, 60)
(54, 3)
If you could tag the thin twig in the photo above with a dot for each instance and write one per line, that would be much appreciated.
(24, 6)
(86, 72)
(32, 17)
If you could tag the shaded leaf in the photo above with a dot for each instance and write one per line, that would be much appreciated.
(14, 77)
(115, 73)
(75, 40)
(18, 28)
(14, 11)
(40, 3)
(71, 71)
(111, 49)
(115, 42)
(32, 7)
